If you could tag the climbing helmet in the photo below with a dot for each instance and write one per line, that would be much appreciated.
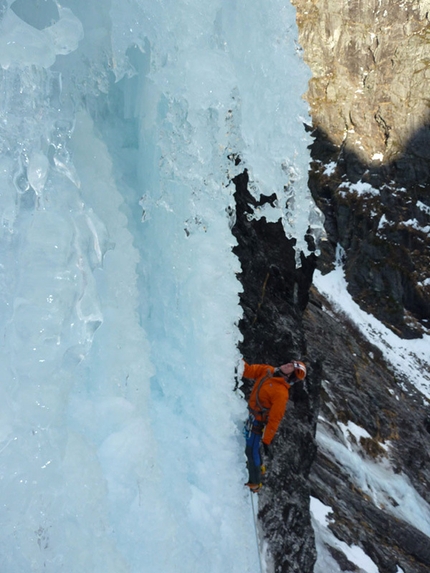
(299, 370)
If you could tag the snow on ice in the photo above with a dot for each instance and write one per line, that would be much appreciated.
(377, 479)
(406, 356)
(320, 514)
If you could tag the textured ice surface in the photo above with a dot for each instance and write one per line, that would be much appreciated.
(120, 436)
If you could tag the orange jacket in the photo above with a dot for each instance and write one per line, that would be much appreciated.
(273, 395)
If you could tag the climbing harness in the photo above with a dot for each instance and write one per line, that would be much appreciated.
(252, 426)
(262, 411)
(248, 426)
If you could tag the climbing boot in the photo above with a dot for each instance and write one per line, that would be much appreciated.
(254, 487)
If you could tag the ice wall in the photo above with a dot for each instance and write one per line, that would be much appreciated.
(120, 436)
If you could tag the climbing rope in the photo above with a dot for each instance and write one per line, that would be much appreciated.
(256, 531)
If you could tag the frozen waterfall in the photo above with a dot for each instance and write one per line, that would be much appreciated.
(120, 437)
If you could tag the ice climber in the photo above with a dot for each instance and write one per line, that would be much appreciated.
(266, 405)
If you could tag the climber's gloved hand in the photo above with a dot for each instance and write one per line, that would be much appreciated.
(268, 454)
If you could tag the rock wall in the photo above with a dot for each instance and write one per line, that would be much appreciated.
(380, 217)
(359, 387)
(370, 175)
(370, 67)
(284, 317)
(274, 297)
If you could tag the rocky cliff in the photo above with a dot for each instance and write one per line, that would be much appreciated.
(366, 480)
(370, 62)
(274, 297)
(349, 381)
(378, 219)
(370, 175)
(370, 67)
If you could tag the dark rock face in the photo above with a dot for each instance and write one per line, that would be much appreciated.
(369, 106)
(370, 176)
(359, 387)
(280, 292)
(284, 317)
(282, 320)
(274, 296)
(369, 63)
(382, 224)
